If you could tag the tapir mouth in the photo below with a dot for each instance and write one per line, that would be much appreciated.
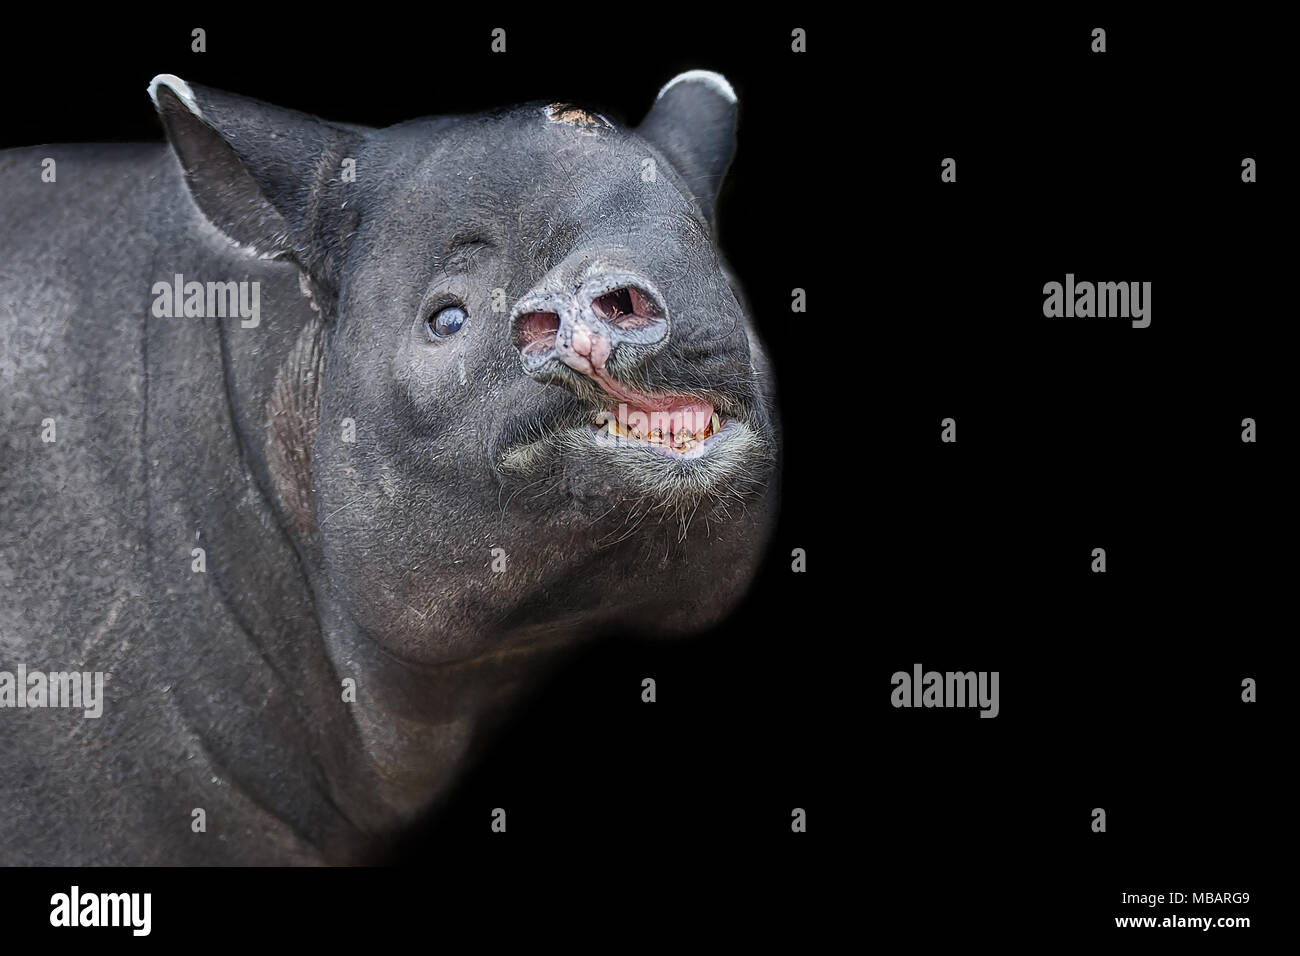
(676, 424)
(670, 428)
(672, 422)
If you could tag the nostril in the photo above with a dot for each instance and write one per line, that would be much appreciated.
(628, 308)
(613, 304)
(535, 332)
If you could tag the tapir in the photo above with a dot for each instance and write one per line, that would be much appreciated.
(321, 442)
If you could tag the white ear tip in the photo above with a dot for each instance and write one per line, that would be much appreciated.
(177, 86)
(716, 81)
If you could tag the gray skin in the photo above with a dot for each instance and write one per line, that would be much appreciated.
(333, 563)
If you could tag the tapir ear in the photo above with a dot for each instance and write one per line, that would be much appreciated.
(269, 178)
(693, 122)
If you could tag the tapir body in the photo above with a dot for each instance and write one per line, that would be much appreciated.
(468, 390)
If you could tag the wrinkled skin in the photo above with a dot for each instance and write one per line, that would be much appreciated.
(425, 517)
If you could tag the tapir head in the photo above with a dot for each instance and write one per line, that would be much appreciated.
(533, 402)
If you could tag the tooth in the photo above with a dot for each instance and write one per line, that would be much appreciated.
(685, 435)
(656, 435)
(715, 424)
(636, 432)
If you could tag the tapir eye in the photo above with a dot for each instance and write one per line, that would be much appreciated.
(446, 321)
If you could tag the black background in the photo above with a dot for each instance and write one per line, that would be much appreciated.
(1119, 690)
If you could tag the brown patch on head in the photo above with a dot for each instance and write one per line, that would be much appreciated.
(577, 116)
(292, 414)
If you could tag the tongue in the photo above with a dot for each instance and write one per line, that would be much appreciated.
(671, 417)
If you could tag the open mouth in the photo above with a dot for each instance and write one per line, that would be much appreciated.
(690, 437)
(676, 425)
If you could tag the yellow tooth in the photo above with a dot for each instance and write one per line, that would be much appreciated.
(656, 436)
(715, 424)
(636, 432)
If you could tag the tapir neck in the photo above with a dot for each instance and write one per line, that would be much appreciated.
(293, 704)
(417, 722)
